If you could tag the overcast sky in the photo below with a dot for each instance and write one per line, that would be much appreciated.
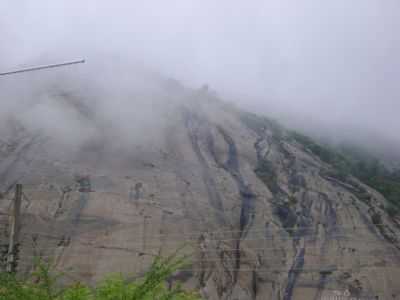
(328, 63)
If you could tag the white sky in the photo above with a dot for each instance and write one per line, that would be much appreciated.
(333, 63)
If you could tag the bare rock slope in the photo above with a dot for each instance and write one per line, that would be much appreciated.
(261, 215)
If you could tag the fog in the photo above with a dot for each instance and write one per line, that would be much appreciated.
(331, 68)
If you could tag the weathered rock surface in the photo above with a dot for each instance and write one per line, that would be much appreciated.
(264, 217)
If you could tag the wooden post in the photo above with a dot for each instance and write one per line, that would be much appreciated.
(15, 222)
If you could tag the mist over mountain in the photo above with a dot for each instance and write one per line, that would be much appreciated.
(329, 66)
(114, 177)
(261, 136)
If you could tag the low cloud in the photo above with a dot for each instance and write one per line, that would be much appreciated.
(329, 68)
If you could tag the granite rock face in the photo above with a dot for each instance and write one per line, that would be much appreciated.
(261, 216)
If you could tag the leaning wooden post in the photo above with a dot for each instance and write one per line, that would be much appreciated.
(15, 222)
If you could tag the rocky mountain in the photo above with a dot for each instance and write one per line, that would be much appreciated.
(261, 215)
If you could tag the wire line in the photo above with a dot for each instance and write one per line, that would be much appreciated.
(43, 67)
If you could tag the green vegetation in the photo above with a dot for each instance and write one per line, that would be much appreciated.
(259, 124)
(352, 161)
(377, 176)
(265, 171)
(345, 161)
(393, 210)
(327, 155)
(42, 285)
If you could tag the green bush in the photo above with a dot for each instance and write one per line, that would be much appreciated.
(42, 285)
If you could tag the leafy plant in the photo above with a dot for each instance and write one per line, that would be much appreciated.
(42, 285)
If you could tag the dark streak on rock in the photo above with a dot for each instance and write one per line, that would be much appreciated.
(191, 123)
(247, 196)
(247, 210)
(297, 265)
